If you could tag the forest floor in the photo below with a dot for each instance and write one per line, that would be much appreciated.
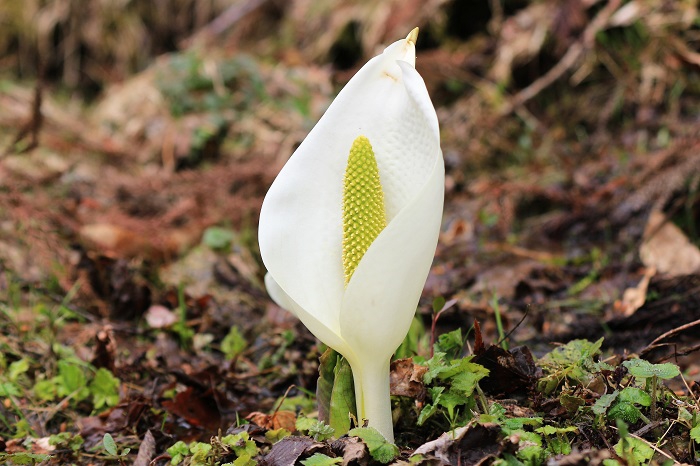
(134, 324)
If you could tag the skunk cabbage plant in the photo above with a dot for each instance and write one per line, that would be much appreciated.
(349, 227)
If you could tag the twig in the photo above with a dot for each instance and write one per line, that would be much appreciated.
(437, 315)
(32, 126)
(673, 332)
(224, 21)
(570, 58)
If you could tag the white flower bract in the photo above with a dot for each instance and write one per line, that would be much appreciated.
(301, 224)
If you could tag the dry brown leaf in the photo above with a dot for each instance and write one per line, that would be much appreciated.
(667, 248)
(633, 298)
(290, 449)
(353, 450)
(113, 240)
(406, 379)
(147, 450)
(278, 420)
(471, 444)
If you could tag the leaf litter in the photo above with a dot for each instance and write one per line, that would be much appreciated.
(128, 252)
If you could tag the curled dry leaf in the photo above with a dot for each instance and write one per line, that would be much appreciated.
(406, 379)
(113, 240)
(147, 450)
(352, 449)
(633, 298)
(509, 371)
(278, 420)
(471, 444)
(667, 248)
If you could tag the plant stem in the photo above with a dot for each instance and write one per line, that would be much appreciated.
(372, 395)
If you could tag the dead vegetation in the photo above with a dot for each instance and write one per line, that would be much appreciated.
(129, 129)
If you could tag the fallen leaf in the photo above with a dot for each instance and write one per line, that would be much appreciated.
(147, 450)
(666, 248)
(633, 298)
(406, 379)
(509, 371)
(290, 449)
(473, 444)
(278, 420)
(352, 450)
(113, 240)
(196, 408)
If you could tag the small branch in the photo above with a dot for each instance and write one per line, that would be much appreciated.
(570, 58)
(224, 21)
(437, 315)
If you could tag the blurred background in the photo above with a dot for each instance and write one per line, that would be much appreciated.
(138, 138)
(132, 133)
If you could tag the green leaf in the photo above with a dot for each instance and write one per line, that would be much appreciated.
(611, 462)
(200, 452)
(233, 343)
(47, 390)
(342, 398)
(304, 424)
(460, 369)
(695, 434)
(104, 388)
(430, 409)
(17, 368)
(572, 353)
(11, 389)
(436, 365)
(320, 431)
(67, 440)
(275, 435)
(425, 413)
(73, 381)
(450, 400)
(559, 446)
(244, 460)
(109, 444)
(438, 304)
(24, 458)
(379, 448)
(633, 447)
(625, 411)
(324, 386)
(551, 430)
(531, 454)
(450, 343)
(517, 423)
(573, 361)
(635, 395)
(603, 403)
(218, 237)
(497, 410)
(644, 369)
(468, 377)
(319, 459)
(178, 452)
(314, 428)
(241, 444)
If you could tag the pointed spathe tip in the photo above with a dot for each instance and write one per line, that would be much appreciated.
(412, 36)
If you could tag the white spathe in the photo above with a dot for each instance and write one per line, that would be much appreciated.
(301, 225)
